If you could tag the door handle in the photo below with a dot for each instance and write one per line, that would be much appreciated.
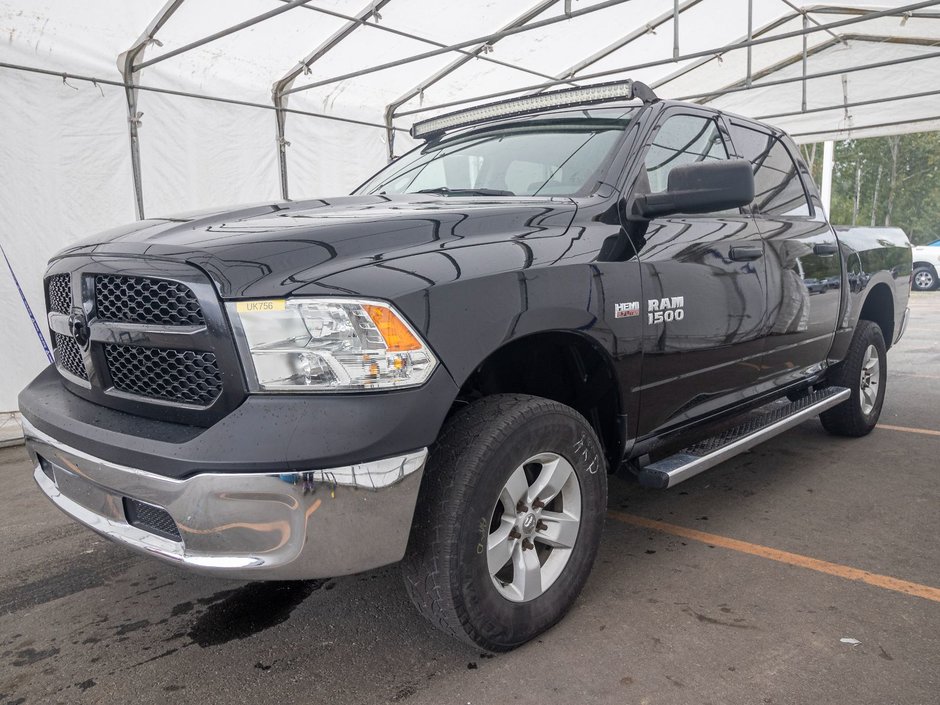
(825, 248)
(746, 253)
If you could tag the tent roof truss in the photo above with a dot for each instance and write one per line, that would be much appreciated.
(132, 62)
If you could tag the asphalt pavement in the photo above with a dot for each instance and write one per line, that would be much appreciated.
(805, 571)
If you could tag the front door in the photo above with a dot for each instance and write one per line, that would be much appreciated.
(703, 280)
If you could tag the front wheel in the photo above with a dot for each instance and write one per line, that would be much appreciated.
(864, 371)
(508, 520)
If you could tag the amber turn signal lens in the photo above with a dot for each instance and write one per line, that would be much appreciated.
(397, 336)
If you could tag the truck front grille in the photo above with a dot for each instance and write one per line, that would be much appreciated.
(159, 345)
(146, 300)
(60, 293)
(68, 356)
(185, 376)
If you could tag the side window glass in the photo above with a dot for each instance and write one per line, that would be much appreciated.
(778, 189)
(682, 139)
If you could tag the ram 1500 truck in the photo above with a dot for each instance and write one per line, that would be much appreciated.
(442, 368)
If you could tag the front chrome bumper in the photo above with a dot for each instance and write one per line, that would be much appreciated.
(286, 526)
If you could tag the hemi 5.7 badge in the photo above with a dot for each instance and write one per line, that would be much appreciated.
(628, 309)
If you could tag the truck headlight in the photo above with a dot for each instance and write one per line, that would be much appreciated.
(328, 345)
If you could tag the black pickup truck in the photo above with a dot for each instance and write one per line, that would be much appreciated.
(442, 368)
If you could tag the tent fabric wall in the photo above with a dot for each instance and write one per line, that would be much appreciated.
(63, 179)
(65, 152)
(197, 154)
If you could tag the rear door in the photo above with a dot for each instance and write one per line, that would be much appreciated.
(704, 286)
(804, 269)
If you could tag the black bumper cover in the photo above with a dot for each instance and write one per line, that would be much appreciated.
(266, 433)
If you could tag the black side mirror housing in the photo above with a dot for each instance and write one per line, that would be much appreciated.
(701, 187)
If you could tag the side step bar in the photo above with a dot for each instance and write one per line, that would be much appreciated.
(712, 451)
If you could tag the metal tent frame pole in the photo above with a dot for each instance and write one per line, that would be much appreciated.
(625, 40)
(747, 41)
(805, 59)
(95, 80)
(858, 128)
(287, 80)
(809, 77)
(478, 50)
(675, 29)
(802, 57)
(418, 38)
(130, 62)
(660, 62)
(856, 104)
(223, 33)
(750, 38)
(485, 39)
(128, 66)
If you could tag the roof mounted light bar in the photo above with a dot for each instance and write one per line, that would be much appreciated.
(567, 97)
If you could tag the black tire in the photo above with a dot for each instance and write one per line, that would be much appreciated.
(445, 567)
(925, 279)
(850, 418)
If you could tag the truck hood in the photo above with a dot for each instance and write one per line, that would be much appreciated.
(272, 249)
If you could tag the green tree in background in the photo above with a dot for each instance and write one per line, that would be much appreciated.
(885, 181)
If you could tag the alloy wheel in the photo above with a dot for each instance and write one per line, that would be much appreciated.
(534, 527)
(870, 379)
(923, 280)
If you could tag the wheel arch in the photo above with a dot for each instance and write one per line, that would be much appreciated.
(565, 366)
(878, 308)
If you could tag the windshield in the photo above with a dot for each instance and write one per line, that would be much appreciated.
(562, 158)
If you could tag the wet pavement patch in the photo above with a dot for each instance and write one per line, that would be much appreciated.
(249, 610)
(27, 657)
(404, 693)
(132, 627)
(85, 685)
(83, 573)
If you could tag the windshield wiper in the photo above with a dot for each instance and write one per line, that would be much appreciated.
(444, 191)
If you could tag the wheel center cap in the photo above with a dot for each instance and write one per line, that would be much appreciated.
(528, 524)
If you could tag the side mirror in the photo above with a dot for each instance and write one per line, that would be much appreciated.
(701, 187)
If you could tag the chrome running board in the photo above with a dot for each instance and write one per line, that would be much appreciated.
(757, 429)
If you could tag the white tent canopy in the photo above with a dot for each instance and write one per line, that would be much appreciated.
(250, 100)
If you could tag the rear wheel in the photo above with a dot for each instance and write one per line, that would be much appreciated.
(925, 279)
(508, 520)
(864, 371)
